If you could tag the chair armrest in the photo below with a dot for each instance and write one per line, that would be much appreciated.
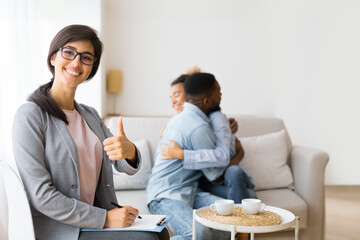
(308, 168)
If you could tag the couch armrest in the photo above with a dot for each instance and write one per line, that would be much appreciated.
(308, 168)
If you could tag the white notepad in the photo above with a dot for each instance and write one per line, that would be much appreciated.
(147, 223)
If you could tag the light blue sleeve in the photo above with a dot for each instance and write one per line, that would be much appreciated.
(219, 157)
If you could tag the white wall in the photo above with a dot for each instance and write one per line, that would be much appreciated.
(295, 60)
(55, 15)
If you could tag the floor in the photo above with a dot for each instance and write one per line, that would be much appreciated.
(342, 212)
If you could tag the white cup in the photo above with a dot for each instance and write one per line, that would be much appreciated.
(252, 205)
(223, 207)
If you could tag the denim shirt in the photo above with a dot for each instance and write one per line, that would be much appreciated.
(169, 179)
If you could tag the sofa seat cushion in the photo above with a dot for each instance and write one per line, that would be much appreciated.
(134, 198)
(286, 199)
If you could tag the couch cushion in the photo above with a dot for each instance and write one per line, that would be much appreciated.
(286, 199)
(140, 179)
(250, 126)
(266, 160)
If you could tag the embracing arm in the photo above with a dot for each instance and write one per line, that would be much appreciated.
(205, 158)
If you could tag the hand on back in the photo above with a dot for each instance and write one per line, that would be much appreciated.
(172, 151)
(233, 125)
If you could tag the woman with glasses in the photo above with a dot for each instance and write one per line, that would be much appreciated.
(64, 151)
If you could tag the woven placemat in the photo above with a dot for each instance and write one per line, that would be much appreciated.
(239, 217)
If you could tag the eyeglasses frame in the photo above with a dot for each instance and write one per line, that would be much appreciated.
(77, 53)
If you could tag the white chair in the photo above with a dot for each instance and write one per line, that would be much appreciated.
(15, 216)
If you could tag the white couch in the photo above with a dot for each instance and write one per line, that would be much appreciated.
(298, 186)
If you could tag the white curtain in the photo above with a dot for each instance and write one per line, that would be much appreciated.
(21, 63)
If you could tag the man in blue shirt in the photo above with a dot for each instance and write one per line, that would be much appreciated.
(172, 189)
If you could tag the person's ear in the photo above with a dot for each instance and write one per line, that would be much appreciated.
(205, 101)
(52, 60)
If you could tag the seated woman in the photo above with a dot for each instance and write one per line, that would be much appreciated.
(64, 152)
(231, 182)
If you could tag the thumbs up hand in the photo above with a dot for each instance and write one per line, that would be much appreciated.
(119, 147)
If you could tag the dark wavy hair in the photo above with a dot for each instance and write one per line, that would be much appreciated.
(180, 79)
(71, 33)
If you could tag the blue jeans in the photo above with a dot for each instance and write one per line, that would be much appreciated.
(237, 185)
(182, 217)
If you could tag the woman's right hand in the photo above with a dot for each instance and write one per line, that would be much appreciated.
(173, 151)
(120, 147)
(120, 217)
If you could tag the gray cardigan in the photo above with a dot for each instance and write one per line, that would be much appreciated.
(47, 159)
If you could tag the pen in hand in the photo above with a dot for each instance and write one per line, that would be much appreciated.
(118, 206)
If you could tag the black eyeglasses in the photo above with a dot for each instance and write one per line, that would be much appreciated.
(70, 54)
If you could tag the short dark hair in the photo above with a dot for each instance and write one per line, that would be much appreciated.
(73, 33)
(199, 85)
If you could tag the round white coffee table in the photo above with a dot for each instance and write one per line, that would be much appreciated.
(289, 220)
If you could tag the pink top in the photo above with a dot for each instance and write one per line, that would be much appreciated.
(90, 153)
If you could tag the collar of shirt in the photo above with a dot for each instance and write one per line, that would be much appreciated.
(191, 107)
